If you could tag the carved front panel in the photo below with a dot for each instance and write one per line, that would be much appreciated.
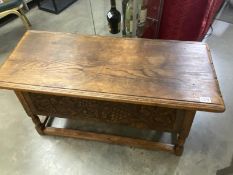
(139, 116)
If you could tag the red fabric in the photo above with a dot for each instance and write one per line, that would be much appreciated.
(186, 19)
(150, 28)
(214, 6)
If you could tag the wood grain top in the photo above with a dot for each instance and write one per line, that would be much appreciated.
(154, 72)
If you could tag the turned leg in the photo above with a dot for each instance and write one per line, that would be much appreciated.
(27, 105)
(179, 147)
(38, 125)
(184, 132)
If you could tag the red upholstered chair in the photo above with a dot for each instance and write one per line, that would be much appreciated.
(186, 19)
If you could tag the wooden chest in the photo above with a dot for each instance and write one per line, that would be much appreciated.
(140, 83)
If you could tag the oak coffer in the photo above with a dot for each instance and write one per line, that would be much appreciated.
(139, 83)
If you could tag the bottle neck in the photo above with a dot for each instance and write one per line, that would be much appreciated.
(113, 4)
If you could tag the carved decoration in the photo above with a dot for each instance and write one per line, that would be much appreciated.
(138, 116)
